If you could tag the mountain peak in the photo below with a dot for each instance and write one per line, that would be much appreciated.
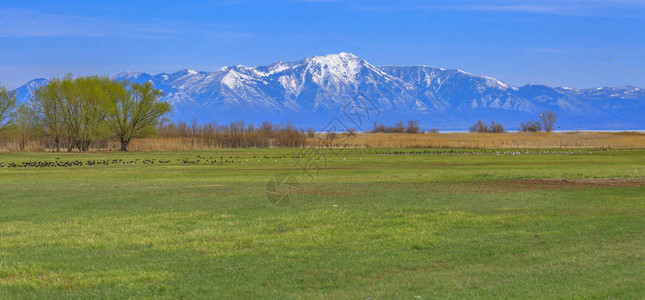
(37, 82)
(313, 90)
(342, 66)
(342, 56)
(188, 72)
(128, 74)
(346, 55)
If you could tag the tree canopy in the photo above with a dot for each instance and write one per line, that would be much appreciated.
(7, 105)
(88, 108)
(134, 111)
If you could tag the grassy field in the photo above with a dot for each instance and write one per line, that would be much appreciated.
(371, 223)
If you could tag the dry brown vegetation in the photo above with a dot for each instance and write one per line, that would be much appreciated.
(510, 140)
(170, 140)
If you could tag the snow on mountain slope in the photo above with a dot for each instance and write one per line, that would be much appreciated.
(24, 92)
(314, 90)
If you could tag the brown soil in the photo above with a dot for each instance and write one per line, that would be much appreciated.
(521, 185)
(579, 183)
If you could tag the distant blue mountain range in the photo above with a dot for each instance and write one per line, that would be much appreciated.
(340, 87)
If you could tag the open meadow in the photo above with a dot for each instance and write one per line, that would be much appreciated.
(350, 223)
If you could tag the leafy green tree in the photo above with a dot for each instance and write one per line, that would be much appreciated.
(7, 106)
(134, 111)
(47, 102)
(84, 107)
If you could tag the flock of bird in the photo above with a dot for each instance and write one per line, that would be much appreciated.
(489, 152)
(240, 159)
(199, 159)
(227, 160)
(58, 163)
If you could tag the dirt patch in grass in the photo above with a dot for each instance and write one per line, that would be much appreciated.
(323, 192)
(527, 185)
(518, 185)
(541, 184)
(341, 190)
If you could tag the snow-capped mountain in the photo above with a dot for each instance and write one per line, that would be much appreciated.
(25, 91)
(315, 90)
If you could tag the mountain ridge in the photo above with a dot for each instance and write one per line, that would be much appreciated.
(314, 90)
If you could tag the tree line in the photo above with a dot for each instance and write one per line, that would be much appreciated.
(80, 110)
(412, 126)
(546, 122)
(237, 134)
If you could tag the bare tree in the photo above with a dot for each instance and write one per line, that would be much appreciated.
(330, 136)
(398, 128)
(496, 127)
(480, 126)
(531, 126)
(548, 119)
(24, 119)
(311, 133)
(378, 128)
(267, 129)
(7, 105)
(413, 127)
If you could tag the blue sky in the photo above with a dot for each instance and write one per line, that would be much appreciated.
(577, 43)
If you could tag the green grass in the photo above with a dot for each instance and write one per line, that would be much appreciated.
(382, 226)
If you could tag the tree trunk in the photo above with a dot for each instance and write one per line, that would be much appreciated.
(124, 145)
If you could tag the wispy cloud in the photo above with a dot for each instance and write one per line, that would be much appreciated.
(28, 23)
(551, 7)
(530, 8)
(555, 7)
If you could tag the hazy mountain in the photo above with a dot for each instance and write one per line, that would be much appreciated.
(24, 92)
(313, 91)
